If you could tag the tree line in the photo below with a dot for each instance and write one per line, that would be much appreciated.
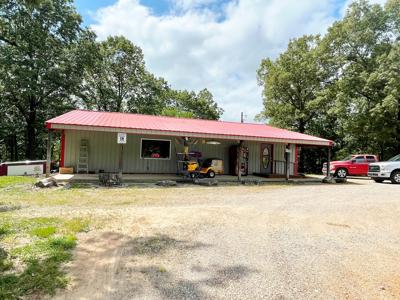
(50, 64)
(344, 85)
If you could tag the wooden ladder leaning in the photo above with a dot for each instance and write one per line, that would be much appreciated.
(83, 160)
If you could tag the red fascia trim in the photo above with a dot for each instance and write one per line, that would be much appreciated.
(48, 125)
(296, 161)
(62, 151)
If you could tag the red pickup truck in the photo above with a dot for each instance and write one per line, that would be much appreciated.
(356, 164)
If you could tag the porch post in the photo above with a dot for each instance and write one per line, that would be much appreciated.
(121, 155)
(287, 156)
(328, 163)
(48, 154)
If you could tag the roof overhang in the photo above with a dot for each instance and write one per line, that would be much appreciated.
(325, 143)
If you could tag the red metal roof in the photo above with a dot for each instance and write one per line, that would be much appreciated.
(177, 125)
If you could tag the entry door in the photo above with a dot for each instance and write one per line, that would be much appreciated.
(266, 158)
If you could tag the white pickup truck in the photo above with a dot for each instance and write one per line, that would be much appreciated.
(386, 170)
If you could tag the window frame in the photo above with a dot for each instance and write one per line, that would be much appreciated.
(156, 158)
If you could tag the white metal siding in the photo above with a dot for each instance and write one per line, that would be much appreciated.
(279, 155)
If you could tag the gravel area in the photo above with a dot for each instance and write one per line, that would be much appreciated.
(339, 241)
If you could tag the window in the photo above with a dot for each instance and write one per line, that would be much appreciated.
(359, 159)
(396, 158)
(370, 158)
(156, 149)
(266, 158)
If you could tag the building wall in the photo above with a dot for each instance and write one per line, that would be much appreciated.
(279, 158)
(104, 153)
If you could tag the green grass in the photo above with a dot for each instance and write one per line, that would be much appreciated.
(44, 232)
(76, 225)
(32, 252)
(6, 181)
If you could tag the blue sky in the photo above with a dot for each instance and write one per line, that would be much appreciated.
(88, 7)
(213, 44)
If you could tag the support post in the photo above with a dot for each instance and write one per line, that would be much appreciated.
(48, 154)
(121, 162)
(287, 156)
(62, 150)
(328, 163)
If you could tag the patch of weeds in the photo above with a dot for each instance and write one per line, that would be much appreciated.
(9, 181)
(43, 232)
(38, 263)
(76, 185)
(162, 269)
(5, 263)
(5, 229)
(41, 275)
(67, 242)
(77, 225)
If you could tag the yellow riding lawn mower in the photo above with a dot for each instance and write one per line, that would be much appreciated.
(209, 168)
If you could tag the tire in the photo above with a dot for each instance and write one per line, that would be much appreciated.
(378, 180)
(395, 177)
(341, 173)
(211, 174)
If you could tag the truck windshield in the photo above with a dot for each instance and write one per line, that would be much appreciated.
(396, 158)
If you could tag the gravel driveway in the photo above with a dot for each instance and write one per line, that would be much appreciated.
(261, 242)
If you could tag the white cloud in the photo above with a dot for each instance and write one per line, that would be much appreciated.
(196, 48)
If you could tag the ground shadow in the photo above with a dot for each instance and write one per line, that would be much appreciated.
(116, 266)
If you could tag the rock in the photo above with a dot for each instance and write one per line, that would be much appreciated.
(46, 183)
(110, 179)
(340, 180)
(206, 181)
(67, 186)
(328, 179)
(166, 183)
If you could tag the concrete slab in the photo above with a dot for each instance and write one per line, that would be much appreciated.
(153, 178)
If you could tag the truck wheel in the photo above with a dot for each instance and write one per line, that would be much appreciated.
(341, 173)
(378, 180)
(211, 174)
(395, 177)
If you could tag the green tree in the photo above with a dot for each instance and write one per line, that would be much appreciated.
(152, 96)
(200, 105)
(361, 44)
(41, 63)
(293, 84)
(115, 76)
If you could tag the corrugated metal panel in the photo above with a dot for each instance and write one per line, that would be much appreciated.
(279, 158)
(106, 121)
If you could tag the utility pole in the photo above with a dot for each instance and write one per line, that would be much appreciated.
(241, 117)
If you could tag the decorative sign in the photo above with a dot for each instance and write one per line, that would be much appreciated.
(121, 138)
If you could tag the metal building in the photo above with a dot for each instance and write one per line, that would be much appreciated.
(151, 143)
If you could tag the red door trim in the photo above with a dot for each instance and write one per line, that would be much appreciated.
(62, 154)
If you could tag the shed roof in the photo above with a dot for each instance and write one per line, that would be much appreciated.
(161, 125)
